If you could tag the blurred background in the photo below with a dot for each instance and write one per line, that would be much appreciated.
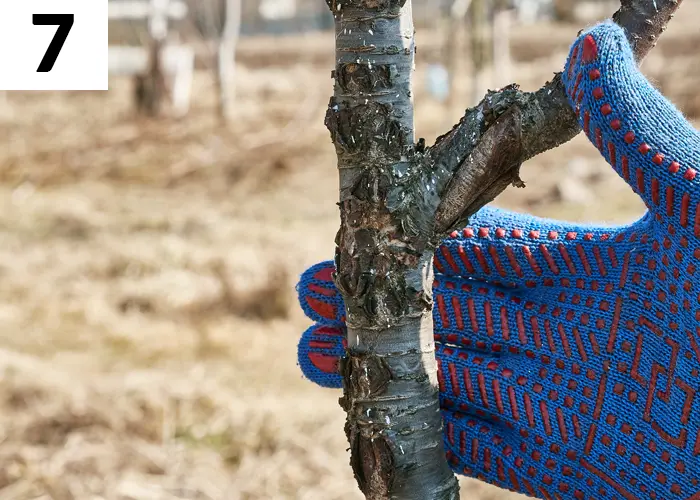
(151, 237)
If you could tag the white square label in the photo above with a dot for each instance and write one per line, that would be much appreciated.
(53, 45)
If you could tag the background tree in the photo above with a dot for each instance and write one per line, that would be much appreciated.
(501, 21)
(226, 57)
(564, 10)
(453, 31)
(480, 35)
(398, 199)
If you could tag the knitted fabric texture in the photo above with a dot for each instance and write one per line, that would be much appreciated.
(569, 355)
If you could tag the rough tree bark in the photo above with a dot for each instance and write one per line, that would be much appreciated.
(397, 201)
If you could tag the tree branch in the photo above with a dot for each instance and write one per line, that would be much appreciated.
(497, 157)
(644, 21)
(546, 119)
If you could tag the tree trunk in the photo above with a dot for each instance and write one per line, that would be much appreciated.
(397, 201)
(385, 260)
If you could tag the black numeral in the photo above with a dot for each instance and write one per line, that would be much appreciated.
(64, 23)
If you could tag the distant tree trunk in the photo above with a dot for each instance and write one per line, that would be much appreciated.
(565, 10)
(150, 89)
(481, 47)
(226, 57)
(453, 53)
(397, 201)
(500, 42)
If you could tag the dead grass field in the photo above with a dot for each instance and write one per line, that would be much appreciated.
(148, 326)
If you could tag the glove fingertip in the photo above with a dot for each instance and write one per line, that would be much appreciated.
(322, 272)
(318, 296)
(593, 48)
(319, 351)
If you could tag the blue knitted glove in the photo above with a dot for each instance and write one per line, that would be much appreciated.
(569, 355)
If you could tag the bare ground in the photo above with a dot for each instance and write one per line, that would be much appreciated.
(147, 320)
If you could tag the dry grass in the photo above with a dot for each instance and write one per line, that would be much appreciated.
(148, 340)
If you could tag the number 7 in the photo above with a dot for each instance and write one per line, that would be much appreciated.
(65, 23)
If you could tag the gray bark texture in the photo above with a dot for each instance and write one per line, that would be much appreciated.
(397, 201)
